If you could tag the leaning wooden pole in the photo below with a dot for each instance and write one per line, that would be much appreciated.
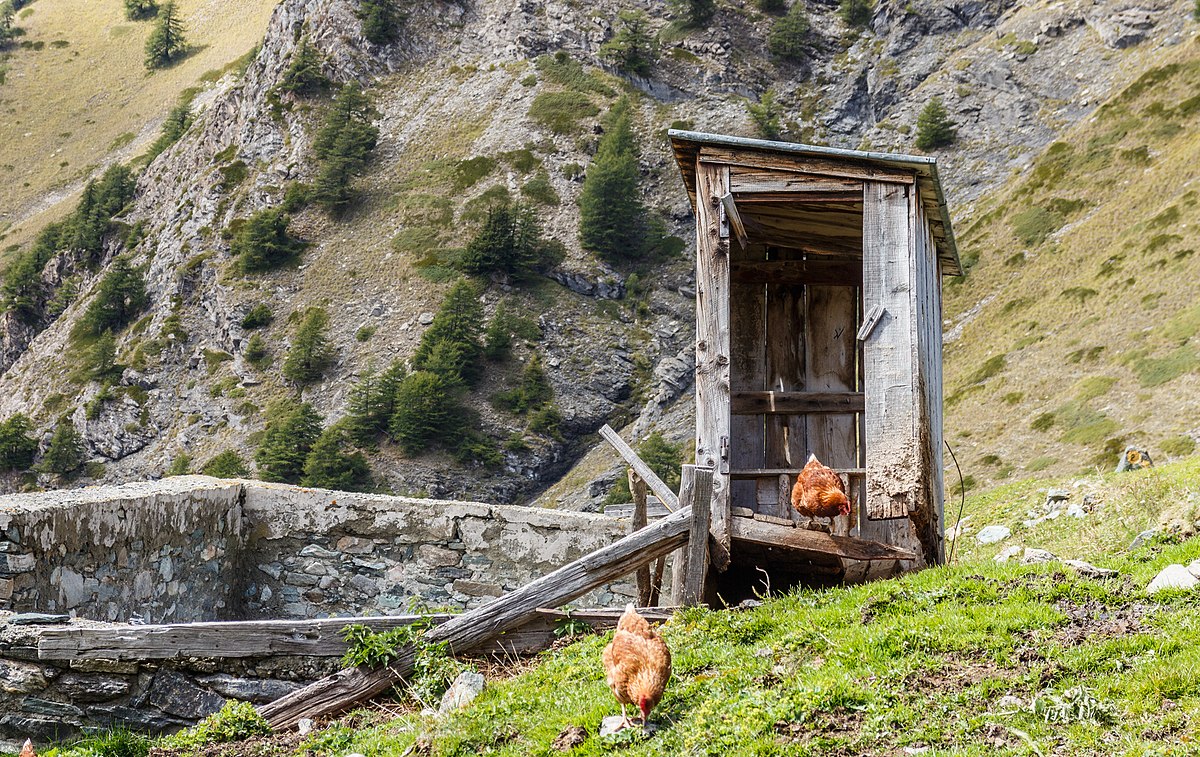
(466, 631)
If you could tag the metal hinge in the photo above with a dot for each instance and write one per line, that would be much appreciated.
(724, 454)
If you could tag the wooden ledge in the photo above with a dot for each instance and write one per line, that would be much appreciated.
(813, 542)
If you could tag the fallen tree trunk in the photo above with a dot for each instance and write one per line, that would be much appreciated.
(466, 631)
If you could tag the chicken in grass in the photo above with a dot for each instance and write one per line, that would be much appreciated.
(820, 493)
(637, 665)
(27, 750)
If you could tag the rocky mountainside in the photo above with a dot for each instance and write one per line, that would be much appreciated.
(463, 118)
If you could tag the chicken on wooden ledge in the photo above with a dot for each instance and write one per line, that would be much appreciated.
(820, 493)
(637, 664)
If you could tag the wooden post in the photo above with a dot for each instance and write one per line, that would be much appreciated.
(638, 488)
(464, 632)
(696, 490)
(712, 348)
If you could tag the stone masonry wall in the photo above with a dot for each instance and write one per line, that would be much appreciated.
(311, 553)
(166, 552)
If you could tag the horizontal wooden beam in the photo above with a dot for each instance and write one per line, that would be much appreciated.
(826, 272)
(272, 638)
(845, 201)
(796, 403)
(744, 474)
(845, 169)
(751, 182)
(815, 542)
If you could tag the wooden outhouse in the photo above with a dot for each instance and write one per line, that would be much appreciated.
(818, 331)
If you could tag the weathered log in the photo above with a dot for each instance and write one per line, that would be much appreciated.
(669, 499)
(468, 630)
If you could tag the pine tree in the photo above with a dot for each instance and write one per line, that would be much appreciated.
(789, 37)
(328, 466)
(497, 340)
(381, 21)
(631, 48)
(176, 123)
(227, 464)
(311, 353)
(64, 456)
(426, 411)
(765, 114)
(256, 353)
(17, 447)
(533, 392)
(166, 43)
(343, 144)
(135, 10)
(100, 361)
(259, 316)
(856, 13)
(934, 127)
(288, 438)
(695, 13)
(303, 77)
(611, 212)
(372, 403)
(262, 242)
(7, 30)
(180, 465)
(510, 244)
(457, 323)
(120, 296)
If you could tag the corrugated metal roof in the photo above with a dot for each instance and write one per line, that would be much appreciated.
(687, 146)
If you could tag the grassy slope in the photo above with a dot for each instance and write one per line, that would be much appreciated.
(70, 108)
(1080, 308)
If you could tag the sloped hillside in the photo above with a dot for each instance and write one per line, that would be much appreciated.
(1075, 332)
(477, 102)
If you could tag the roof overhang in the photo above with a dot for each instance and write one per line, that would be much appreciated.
(688, 145)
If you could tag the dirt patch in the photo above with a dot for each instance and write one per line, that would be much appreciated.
(275, 745)
(1095, 620)
(954, 675)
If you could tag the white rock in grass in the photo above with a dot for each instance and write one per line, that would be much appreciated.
(1194, 568)
(1035, 556)
(1087, 570)
(1007, 554)
(1173, 576)
(993, 534)
(465, 688)
(305, 725)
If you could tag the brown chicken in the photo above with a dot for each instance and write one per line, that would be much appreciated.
(637, 664)
(27, 750)
(819, 492)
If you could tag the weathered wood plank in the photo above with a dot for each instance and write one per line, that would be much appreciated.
(747, 371)
(848, 200)
(696, 491)
(888, 281)
(831, 272)
(829, 364)
(929, 522)
(791, 403)
(712, 348)
(735, 220)
(815, 166)
(654, 510)
(669, 499)
(762, 533)
(762, 472)
(744, 180)
(466, 631)
(638, 489)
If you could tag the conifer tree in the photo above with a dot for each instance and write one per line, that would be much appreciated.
(328, 466)
(509, 244)
(174, 125)
(372, 403)
(310, 353)
(426, 411)
(120, 296)
(7, 30)
(381, 20)
(533, 392)
(343, 144)
(180, 465)
(631, 48)
(458, 323)
(135, 10)
(934, 127)
(765, 114)
(497, 339)
(262, 241)
(227, 464)
(64, 456)
(166, 43)
(100, 362)
(856, 13)
(303, 77)
(611, 212)
(789, 37)
(288, 438)
(256, 351)
(695, 13)
(17, 447)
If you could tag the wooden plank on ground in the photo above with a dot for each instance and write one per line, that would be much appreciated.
(712, 348)
(793, 403)
(762, 533)
(468, 630)
(696, 491)
(669, 499)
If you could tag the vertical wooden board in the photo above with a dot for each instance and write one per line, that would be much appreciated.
(786, 435)
(830, 344)
(747, 371)
(929, 362)
(888, 280)
(712, 346)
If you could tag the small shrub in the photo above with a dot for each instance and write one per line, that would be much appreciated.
(381, 20)
(1043, 422)
(236, 721)
(1033, 225)
(695, 13)
(364, 333)
(227, 464)
(120, 296)
(540, 190)
(789, 37)
(468, 172)
(303, 77)
(17, 446)
(262, 243)
(257, 317)
(180, 465)
(560, 112)
(772, 6)
(64, 456)
(136, 10)
(766, 115)
(856, 13)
